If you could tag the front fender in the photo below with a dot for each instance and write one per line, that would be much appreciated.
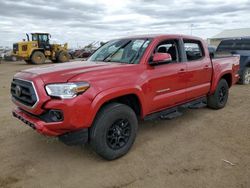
(113, 93)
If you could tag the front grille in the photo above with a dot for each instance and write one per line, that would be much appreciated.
(15, 47)
(24, 92)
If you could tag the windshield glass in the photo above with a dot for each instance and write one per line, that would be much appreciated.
(122, 51)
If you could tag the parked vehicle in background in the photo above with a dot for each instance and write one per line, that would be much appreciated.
(71, 52)
(8, 56)
(1, 54)
(81, 53)
(86, 51)
(141, 77)
(37, 49)
(239, 46)
(212, 50)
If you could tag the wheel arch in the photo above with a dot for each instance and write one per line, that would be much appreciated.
(131, 97)
(227, 76)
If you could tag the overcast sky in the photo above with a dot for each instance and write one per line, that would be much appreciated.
(79, 22)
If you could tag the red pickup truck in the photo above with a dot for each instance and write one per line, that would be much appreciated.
(100, 101)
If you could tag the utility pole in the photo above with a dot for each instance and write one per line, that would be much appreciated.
(191, 29)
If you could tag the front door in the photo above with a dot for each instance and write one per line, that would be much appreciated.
(167, 82)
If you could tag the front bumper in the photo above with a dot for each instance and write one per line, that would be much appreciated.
(35, 123)
(76, 116)
(70, 138)
(77, 113)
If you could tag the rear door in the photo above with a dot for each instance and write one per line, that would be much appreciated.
(199, 69)
(167, 82)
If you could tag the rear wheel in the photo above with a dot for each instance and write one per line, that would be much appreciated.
(219, 99)
(114, 131)
(245, 78)
(63, 57)
(38, 58)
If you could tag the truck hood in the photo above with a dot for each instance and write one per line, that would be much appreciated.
(57, 73)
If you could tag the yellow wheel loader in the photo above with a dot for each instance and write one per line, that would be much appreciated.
(38, 49)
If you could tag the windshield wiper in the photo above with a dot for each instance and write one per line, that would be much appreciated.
(112, 54)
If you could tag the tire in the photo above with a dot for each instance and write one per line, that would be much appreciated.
(245, 78)
(114, 131)
(63, 57)
(219, 99)
(38, 57)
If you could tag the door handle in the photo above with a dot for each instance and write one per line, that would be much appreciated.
(206, 67)
(181, 70)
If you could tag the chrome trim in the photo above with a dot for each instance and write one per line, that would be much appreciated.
(21, 104)
(163, 90)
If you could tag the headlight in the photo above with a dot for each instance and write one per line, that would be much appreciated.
(66, 90)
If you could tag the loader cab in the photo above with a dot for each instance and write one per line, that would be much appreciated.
(42, 39)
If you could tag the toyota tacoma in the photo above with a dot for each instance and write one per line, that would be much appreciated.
(141, 77)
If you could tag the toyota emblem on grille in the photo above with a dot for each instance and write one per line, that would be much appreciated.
(18, 91)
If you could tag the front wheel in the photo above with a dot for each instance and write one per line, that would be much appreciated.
(114, 131)
(219, 99)
(38, 57)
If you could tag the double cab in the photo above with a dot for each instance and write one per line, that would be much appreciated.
(99, 101)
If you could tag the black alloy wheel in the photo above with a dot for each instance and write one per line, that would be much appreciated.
(118, 134)
(222, 95)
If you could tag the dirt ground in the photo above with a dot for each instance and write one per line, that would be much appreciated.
(184, 152)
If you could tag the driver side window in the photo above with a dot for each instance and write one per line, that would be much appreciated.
(170, 47)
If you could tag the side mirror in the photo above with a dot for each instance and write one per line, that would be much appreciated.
(161, 58)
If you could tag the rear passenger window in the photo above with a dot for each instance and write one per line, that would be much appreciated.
(193, 50)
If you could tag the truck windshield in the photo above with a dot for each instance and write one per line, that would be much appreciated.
(122, 51)
(234, 45)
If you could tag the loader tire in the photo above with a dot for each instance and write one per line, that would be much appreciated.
(63, 57)
(38, 58)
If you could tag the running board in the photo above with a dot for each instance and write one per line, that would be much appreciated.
(175, 112)
(171, 115)
(198, 104)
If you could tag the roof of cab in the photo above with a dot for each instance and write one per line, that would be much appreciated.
(153, 36)
(40, 33)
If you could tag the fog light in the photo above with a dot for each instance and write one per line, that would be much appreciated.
(56, 115)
